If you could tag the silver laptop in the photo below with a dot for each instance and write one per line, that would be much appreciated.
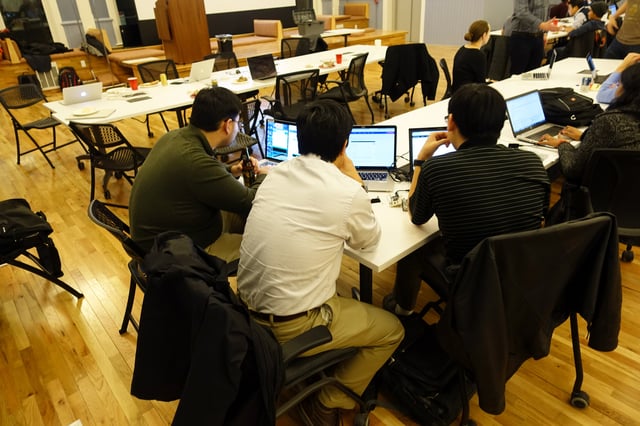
(527, 119)
(417, 138)
(201, 70)
(83, 93)
(541, 75)
(593, 71)
(373, 152)
(262, 67)
(281, 142)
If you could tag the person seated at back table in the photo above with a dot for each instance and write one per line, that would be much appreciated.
(617, 127)
(470, 64)
(183, 187)
(594, 23)
(305, 212)
(480, 190)
(579, 10)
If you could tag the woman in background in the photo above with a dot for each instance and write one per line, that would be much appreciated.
(617, 127)
(470, 64)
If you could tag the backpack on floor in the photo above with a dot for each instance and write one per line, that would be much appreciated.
(68, 77)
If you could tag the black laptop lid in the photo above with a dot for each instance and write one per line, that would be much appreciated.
(262, 67)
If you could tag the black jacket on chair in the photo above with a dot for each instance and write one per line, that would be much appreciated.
(404, 66)
(197, 342)
(513, 290)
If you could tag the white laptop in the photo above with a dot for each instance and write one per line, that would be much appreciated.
(201, 70)
(82, 93)
(417, 138)
(527, 119)
(373, 152)
(541, 75)
(281, 142)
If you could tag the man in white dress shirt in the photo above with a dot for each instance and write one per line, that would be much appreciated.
(305, 211)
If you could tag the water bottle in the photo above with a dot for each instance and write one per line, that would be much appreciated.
(248, 174)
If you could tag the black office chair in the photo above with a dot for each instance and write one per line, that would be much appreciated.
(612, 182)
(100, 214)
(251, 116)
(149, 72)
(294, 46)
(573, 268)
(352, 87)
(447, 77)
(23, 230)
(110, 151)
(17, 101)
(293, 91)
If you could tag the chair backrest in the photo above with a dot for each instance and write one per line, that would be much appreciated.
(297, 87)
(611, 177)
(249, 114)
(100, 214)
(150, 71)
(224, 61)
(294, 46)
(447, 76)
(21, 96)
(105, 141)
(355, 75)
(581, 45)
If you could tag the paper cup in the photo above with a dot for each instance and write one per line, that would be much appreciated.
(338, 58)
(377, 42)
(133, 83)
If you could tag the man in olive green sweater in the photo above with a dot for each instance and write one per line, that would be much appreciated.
(183, 187)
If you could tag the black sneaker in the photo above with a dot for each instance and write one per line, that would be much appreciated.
(389, 303)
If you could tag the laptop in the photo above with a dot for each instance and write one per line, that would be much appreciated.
(83, 93)
(541, 75)
(417, 138)
(599, 79)
(281, 142)
(262, 67)
(373, 152)
(527, 119)
(201, 70)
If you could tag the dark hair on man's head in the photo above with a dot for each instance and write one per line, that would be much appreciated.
(213, 106)
(576, 3)
(323, 127)
(630, 80)
(479, 112)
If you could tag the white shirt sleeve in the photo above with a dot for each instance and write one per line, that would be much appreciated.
(363, 230)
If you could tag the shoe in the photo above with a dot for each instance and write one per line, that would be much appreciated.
(389, 304)
(313, 413)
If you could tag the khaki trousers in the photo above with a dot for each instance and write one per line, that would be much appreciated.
(352, 324)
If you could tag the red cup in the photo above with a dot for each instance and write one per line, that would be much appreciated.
(133, 83)
(555, 21)
(338, 58)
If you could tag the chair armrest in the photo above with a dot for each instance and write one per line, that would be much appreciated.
(310, 339)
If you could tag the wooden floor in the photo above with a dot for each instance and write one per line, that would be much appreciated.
(63, 360)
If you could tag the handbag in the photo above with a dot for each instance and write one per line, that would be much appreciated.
(562, 105)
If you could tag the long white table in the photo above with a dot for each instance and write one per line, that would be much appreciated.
(161, 98)
(399, 236)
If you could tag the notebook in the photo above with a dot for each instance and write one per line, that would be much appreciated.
(83, 93)
(541, 75)
(417, 138)
(527, 119)
(262, 67)
(373, 152)
(281, 142)
(201, 70)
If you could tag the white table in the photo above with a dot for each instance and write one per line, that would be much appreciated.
(341, 32)
(162, 98)
(399, 236)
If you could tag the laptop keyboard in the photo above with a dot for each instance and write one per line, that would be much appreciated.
(373, 175)
(554, 130)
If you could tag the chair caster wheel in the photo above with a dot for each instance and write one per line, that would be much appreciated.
(406, 100)
(580, 399)
(412, 103)
(627, 256)
(387, 116)
(361, 419)
(80, 165)
(118, 175)
(150, 134)
(107, 195)
(381, 107)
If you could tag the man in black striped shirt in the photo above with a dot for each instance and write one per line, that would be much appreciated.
(480, 190)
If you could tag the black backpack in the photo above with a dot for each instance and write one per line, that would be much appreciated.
(562, 105)
(68, 77)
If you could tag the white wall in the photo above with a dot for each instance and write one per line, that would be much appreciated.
(145, 7)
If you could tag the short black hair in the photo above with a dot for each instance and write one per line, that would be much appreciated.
(479, 111)
(323, 127)
(213, 106)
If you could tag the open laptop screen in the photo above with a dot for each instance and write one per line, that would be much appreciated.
(372, 146)
(262, 67)
(281, 140)
(417, 138)
(525, 112)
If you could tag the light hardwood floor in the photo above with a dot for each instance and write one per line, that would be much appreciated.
(62, 359)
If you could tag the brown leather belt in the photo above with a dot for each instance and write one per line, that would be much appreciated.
(277, 318)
